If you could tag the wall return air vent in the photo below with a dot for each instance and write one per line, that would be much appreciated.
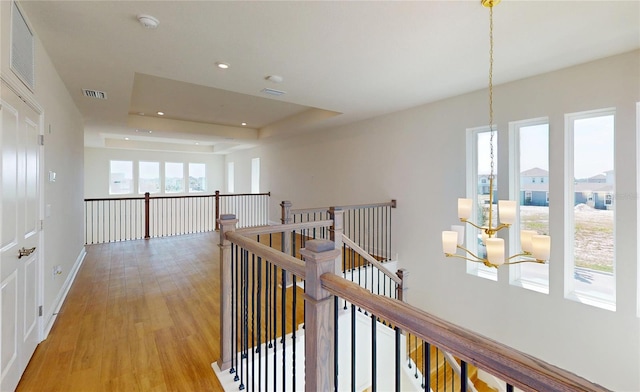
(94, 94)
(271, 91)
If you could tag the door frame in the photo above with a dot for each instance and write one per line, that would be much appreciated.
(27, 97)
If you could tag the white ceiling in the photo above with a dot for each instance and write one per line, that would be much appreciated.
(342, 61)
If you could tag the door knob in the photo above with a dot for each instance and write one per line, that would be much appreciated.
(25, 252)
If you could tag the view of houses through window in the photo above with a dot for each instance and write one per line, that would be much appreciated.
(590, 196)
(590, 223)
(530, 188)
(153, 177)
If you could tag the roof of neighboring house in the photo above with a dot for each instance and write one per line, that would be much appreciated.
(535, 172)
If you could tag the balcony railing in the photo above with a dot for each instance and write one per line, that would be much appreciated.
(132, 218)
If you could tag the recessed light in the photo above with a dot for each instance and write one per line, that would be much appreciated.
(126, 138)
(140, 114)
(244, 123)
(160, 113)
(150, 131)
(222, 65)
(197, 143)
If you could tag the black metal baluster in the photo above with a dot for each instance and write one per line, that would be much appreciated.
(463, 376)
(284, 327)
(259, 332)
(293, 329)
(509, 387)
(335, 343)
(253, 323)
(426, 360)
(243, 331)
(275, 325)
(268, 345)
(234, 311)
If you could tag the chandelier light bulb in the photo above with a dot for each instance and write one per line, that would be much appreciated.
(449, 241)
(495, 251)
(464, 208)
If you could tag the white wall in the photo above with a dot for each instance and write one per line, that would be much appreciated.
(63, 153)
(418, 157)
(96, 162)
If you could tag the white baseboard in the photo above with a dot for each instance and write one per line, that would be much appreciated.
(57, 304)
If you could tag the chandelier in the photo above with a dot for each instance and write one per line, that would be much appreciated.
(535, 248)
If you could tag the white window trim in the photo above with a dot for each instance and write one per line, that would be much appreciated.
(515, 271)
(569, 280)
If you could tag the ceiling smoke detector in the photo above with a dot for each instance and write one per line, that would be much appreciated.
(275, 78)
(148, 21)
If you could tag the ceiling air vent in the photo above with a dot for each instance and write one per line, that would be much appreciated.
(271, 91)
(94, 94)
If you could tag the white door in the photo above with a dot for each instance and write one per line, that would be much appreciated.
(19, 236)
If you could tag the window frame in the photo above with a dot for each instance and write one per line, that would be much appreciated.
(472, 177)
(570, 292)
(516, 277)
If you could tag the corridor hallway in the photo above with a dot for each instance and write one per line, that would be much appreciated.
(141, 316)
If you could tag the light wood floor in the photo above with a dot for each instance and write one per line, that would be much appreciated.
(141, 316)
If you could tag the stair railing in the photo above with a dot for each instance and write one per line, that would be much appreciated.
(243, 284)
(368, 225)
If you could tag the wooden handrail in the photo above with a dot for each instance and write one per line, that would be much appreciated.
(282, 260)
(370, 259)
(517, 368)
(244, 194)
(391, 204)
(284, 228)
(116, 198)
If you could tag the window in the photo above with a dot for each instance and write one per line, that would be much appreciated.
(230, 177)
(478, 166)
(148, 177)
(529, 144)
(197, 178)
(590, 221)
(255, 175)
(173, 177)
(120, 177)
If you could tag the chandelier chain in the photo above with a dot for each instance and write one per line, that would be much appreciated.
(492, 131)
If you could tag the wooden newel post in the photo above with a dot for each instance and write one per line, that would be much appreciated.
(336, 231)
(227, 224)
(217, 210)
(146, 216)
(319, 257)
(401, 292)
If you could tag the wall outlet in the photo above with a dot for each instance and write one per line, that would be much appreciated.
(57, 270)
